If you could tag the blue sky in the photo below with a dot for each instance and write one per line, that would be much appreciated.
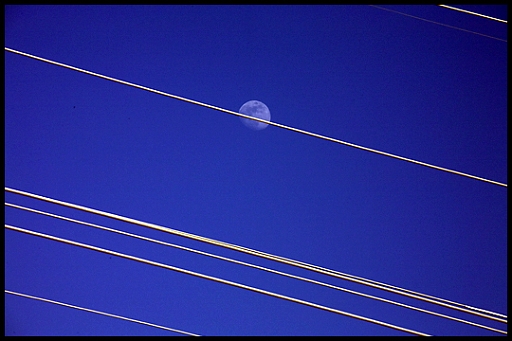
(355, 73)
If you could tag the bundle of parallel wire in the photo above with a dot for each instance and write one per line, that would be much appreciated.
(482, 313)
(400, 292)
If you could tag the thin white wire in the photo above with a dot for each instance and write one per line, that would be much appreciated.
(255, 266)
(215, 279)
(289, 128)
(257, 119)
(473, 13)
(414, 293)
(356, 279)
(100, 312)
(438, 23)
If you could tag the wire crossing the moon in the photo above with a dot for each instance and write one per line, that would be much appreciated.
(258, 119)
(74, 239)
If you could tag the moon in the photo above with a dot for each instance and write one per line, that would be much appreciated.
(255, 109)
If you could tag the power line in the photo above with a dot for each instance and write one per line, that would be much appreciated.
(303, 265)
(275, 124)
(438, 23)
(216, 279)
(473, 13)
(256, 267)
(100, 312)
(315, 268)
(414, 294)
(256, 118)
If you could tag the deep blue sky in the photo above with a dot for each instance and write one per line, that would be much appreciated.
(356, 73)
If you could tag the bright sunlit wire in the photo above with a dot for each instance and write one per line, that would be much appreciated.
(262, 268)
(215, 279)
(474, 13)
(303, 265)
(257, 119)
(438, 23)
(99, 312)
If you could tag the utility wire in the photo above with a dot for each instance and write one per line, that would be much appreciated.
(216, 279)
(256, 118)
(413, 293)
(264, 121)
(255, 267)
(360, 280)
(438, 23)
(473, 13)
(100, 312)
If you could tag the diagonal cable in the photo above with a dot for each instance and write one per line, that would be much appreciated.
(318, 269)
(473, 13)
(100, 312)
(254, 266)
(438, 23)
(257, 119)
(215, 279)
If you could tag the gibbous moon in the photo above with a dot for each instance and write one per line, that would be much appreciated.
(255, 109)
